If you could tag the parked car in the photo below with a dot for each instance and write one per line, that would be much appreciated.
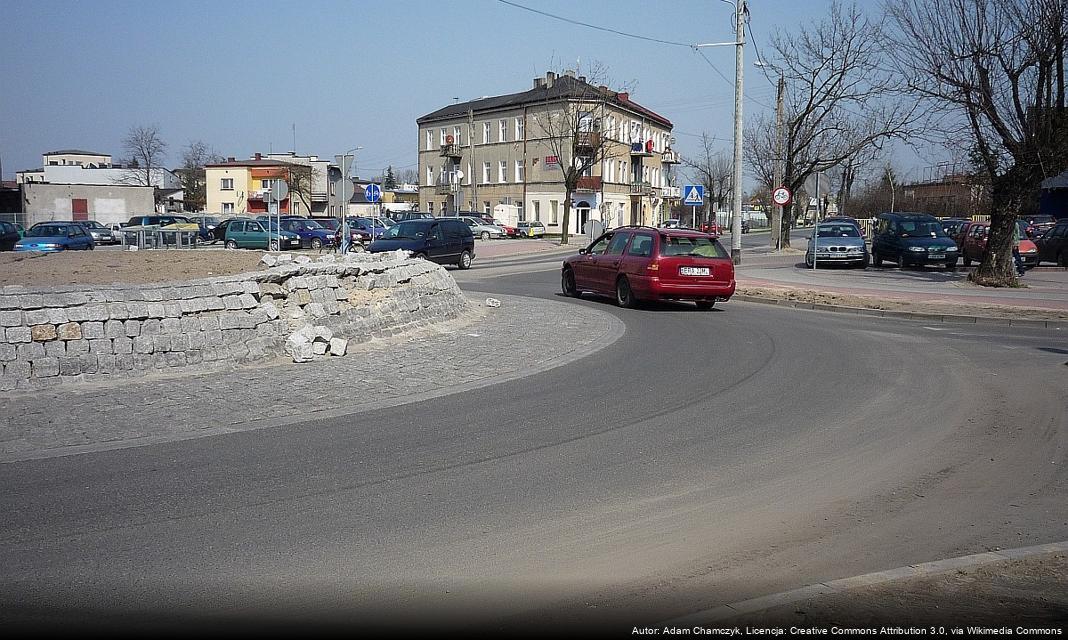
(401, 216)
(673, 223)
(509, 230)
(207, 224)
(951, 226)
(9, 235)
(157, 221)
(912, 239)
(1053, 244)
(100, 233)
(975, 239)
(244, 233)
(312, 235)
(482, 230)
(1038, 225)
(711, 227)
(530, 229)
(846, 219)
(441, 240)
(837, 243)
(746, 227)
(373, 227)
(56, 236)
(635, 263)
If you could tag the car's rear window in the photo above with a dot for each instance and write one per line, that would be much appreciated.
(838, 231)
(701, 246)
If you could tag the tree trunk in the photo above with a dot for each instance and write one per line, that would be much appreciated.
(785, 225)
(997, 268)
(565, 227)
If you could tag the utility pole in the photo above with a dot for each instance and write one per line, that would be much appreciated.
(776, 220)
(474, 162)
(736, 210)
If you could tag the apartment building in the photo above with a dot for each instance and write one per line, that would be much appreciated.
(507, 150)
(242, 186)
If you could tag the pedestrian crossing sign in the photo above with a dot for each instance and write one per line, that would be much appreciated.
(694, 195)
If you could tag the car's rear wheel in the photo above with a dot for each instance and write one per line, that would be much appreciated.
(567, 283)
(485, 235)
(316, 244)
(465, 260)
(231, 244)
(705, 305)
(624, 295)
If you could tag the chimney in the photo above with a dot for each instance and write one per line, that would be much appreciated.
(623, 96)
(539, 83)
(231, 159)
(582, 78)
(258, 156)
(550, 78)
(603, 88)
(569, 73)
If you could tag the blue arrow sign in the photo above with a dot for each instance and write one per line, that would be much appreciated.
(693, 195)
(373, 193)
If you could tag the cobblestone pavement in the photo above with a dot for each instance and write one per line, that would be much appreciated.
(486, 346)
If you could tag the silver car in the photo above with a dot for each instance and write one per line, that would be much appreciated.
(838, 242)
(483, 230)
(100, 233)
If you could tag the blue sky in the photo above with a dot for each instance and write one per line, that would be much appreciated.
(239, 75)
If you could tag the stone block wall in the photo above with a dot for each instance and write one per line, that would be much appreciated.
(48, 337)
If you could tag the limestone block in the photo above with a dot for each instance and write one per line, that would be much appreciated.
(248, 301)
(9, 302)
(143, 344)
(332, 307)
(96, 312)
(231, 320)
(7, 352)
(43, 332)
(152, 295)
(271, 289)
(269, 260)
(319, 348)
(338, 346)
(157, 310)
(77, 314)
(55, 348)
(175, 358)
(301, 297)
(105, 363)
(15, 335)
(92, 330)
(132, 295)
(114, 329)
(30, 301)
(69, 331)
(117, 311)
(302, 259)
(232, 303)
(122, 345)
(213, 304)
(45, 368)
(133, 328)
(11, 318)
(172, 309)
(77, 346)
(100, 347)
(303, 352)
(160, 344)
(171, 325)
(187, 306)
(151, 327)
(271, 310)
(20, 370)
(194, 356)
(137, 310)
(315, 310)
(214, 337)
(294, 312)
(178, 343)
(70, 366)
(36, 316)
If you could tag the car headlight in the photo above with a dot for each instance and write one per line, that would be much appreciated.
(917, 249)
(951, 249)
(1032, 250)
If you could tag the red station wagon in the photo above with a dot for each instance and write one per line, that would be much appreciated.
(644, 263)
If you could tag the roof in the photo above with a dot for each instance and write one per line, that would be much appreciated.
(563, 87)
(250, 163)
(75, 152)
(1056, 182)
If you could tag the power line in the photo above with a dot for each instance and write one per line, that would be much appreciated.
(594, 26)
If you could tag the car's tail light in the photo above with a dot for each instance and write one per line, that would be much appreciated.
(653, 266)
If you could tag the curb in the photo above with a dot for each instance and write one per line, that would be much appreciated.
(907, 315)
(755, 605)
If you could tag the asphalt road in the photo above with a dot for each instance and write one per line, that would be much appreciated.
(702, 458)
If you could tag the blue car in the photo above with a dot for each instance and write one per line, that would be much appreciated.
(374, 228)
(312, 234)
(56, 236)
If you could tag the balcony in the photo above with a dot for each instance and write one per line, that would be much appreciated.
(451, 150)
(588, 183)
(259, 195)
(587, 140)
(670, 157)
(671, 193)
(641, 189)
(641, 150)
(445, 189)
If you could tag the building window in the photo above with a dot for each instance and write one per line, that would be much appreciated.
(503, 131)
(266, 184)
(537, 210)
(430, 206)
(519, 210)
(554, 212)
(485, 173)
(486, 132)
(519, 133)
(502, 170)
(519, 171)
(457, 136)
(442, 136)
(429, 176)
(228, 207)
(429, 139)
(227, 184)
(585, 165)
(486, 208)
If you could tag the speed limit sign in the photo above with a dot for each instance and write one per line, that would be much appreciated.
(782, 196)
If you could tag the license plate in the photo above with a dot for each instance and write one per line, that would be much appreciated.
(693, 271)
(936, 256)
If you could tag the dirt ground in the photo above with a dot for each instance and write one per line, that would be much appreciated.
(865, 302)
(1030, 593)
(131, 267)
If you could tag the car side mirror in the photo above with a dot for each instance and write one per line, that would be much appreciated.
(583, 252)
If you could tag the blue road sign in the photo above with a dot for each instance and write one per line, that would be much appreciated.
(373, 193)
(693, 195)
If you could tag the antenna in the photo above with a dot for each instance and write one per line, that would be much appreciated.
(294, 138)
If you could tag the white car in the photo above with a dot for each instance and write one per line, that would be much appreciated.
(483, 230)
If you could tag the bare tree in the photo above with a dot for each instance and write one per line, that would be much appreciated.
(195, 156)
(570, 122)
(840, 103)
(714, 168)
(407, 176)
(995, 68)
(146, 150)
(300, 179)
